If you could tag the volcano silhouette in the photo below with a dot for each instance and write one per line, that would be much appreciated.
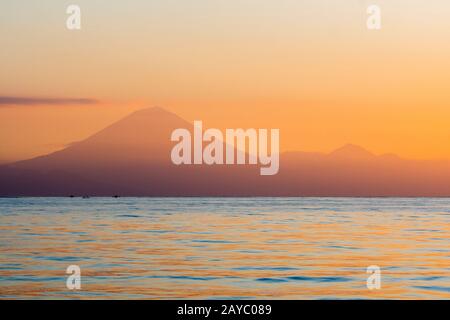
(132, 158)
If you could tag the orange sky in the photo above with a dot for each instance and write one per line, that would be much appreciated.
(309, 68)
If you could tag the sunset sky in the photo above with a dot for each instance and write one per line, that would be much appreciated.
(310, 68)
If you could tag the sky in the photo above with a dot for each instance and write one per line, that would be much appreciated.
(310, 68)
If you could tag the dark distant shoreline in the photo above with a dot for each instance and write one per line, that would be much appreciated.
(237, 196)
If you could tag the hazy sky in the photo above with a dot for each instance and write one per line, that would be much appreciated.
(310, 68)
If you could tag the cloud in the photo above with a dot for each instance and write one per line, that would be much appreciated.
(32, 101)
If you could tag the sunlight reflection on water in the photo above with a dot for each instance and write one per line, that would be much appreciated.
(291, 248)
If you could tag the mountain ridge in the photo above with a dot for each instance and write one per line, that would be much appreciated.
(130, 158)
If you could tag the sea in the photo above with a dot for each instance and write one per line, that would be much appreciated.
(225, 248)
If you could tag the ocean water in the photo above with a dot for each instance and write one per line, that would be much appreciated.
(225, 248)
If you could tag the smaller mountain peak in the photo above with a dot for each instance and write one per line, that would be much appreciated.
(352, 151)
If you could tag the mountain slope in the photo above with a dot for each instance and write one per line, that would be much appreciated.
(138, 138)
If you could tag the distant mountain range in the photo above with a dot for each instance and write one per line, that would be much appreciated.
(132, 158)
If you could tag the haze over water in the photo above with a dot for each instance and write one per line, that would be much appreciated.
(207, 248)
